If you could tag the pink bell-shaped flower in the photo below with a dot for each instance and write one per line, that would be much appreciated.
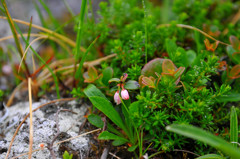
(124, 94)
(117, 98)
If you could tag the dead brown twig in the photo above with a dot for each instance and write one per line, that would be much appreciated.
(31, 118)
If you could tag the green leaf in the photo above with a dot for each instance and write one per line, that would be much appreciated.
(92, 90)
(233, 127)
(78, 72)
(97, 121)
(118, 142)
(106, 107)
(206, 137)
(132, 148)
(107, 75)
(211, 156)
(131, 85)
(105, 135)
(230, 52)
(114, 80)
(171, 48)
(67, 156)
(191, 56)
(233, 97)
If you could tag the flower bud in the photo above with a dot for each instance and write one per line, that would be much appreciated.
(124, 94)
(117, 98)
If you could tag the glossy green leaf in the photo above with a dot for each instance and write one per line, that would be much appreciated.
(132, 148)
(107, 75)
(105, 135)
(171, 48)
(92, 90)
(67, 156)
(118, 142)
(191, 56)
(233, 127)
(233, 97)
(114, 80)
(231, 51)
(97, 121)
(206, 137)
(131, 85)
(211, 156)
(107, 108)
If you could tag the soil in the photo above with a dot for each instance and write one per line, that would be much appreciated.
(45, 128)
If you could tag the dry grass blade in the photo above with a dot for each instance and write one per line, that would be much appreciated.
(114, 155)
(25, 118)
(31, 118)
(50, 32)
(10, 100)
(70, 69)
(41, 35)
(193, 28)
(25, 52)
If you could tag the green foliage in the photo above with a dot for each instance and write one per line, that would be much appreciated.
(99, 100)
(183, 78)
(67, 156)
(212, 140)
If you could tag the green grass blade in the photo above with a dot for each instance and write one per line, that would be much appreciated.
(79, 32)
(15, 34)
(91, 9)
(53, 19)
(233, 127)
(29, 32)
(68, 8)
(40, 14)
(39, 57)
(78, 72)
(206, 137)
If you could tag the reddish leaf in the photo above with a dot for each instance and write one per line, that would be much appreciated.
(234, 42)
(148, 82)
(168, 67)
(40, 68)
(235, 72)
(222, 65)
(211, 47)
(153, 66)
(92, 73)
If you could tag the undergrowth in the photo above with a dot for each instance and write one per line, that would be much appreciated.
(149, 65)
